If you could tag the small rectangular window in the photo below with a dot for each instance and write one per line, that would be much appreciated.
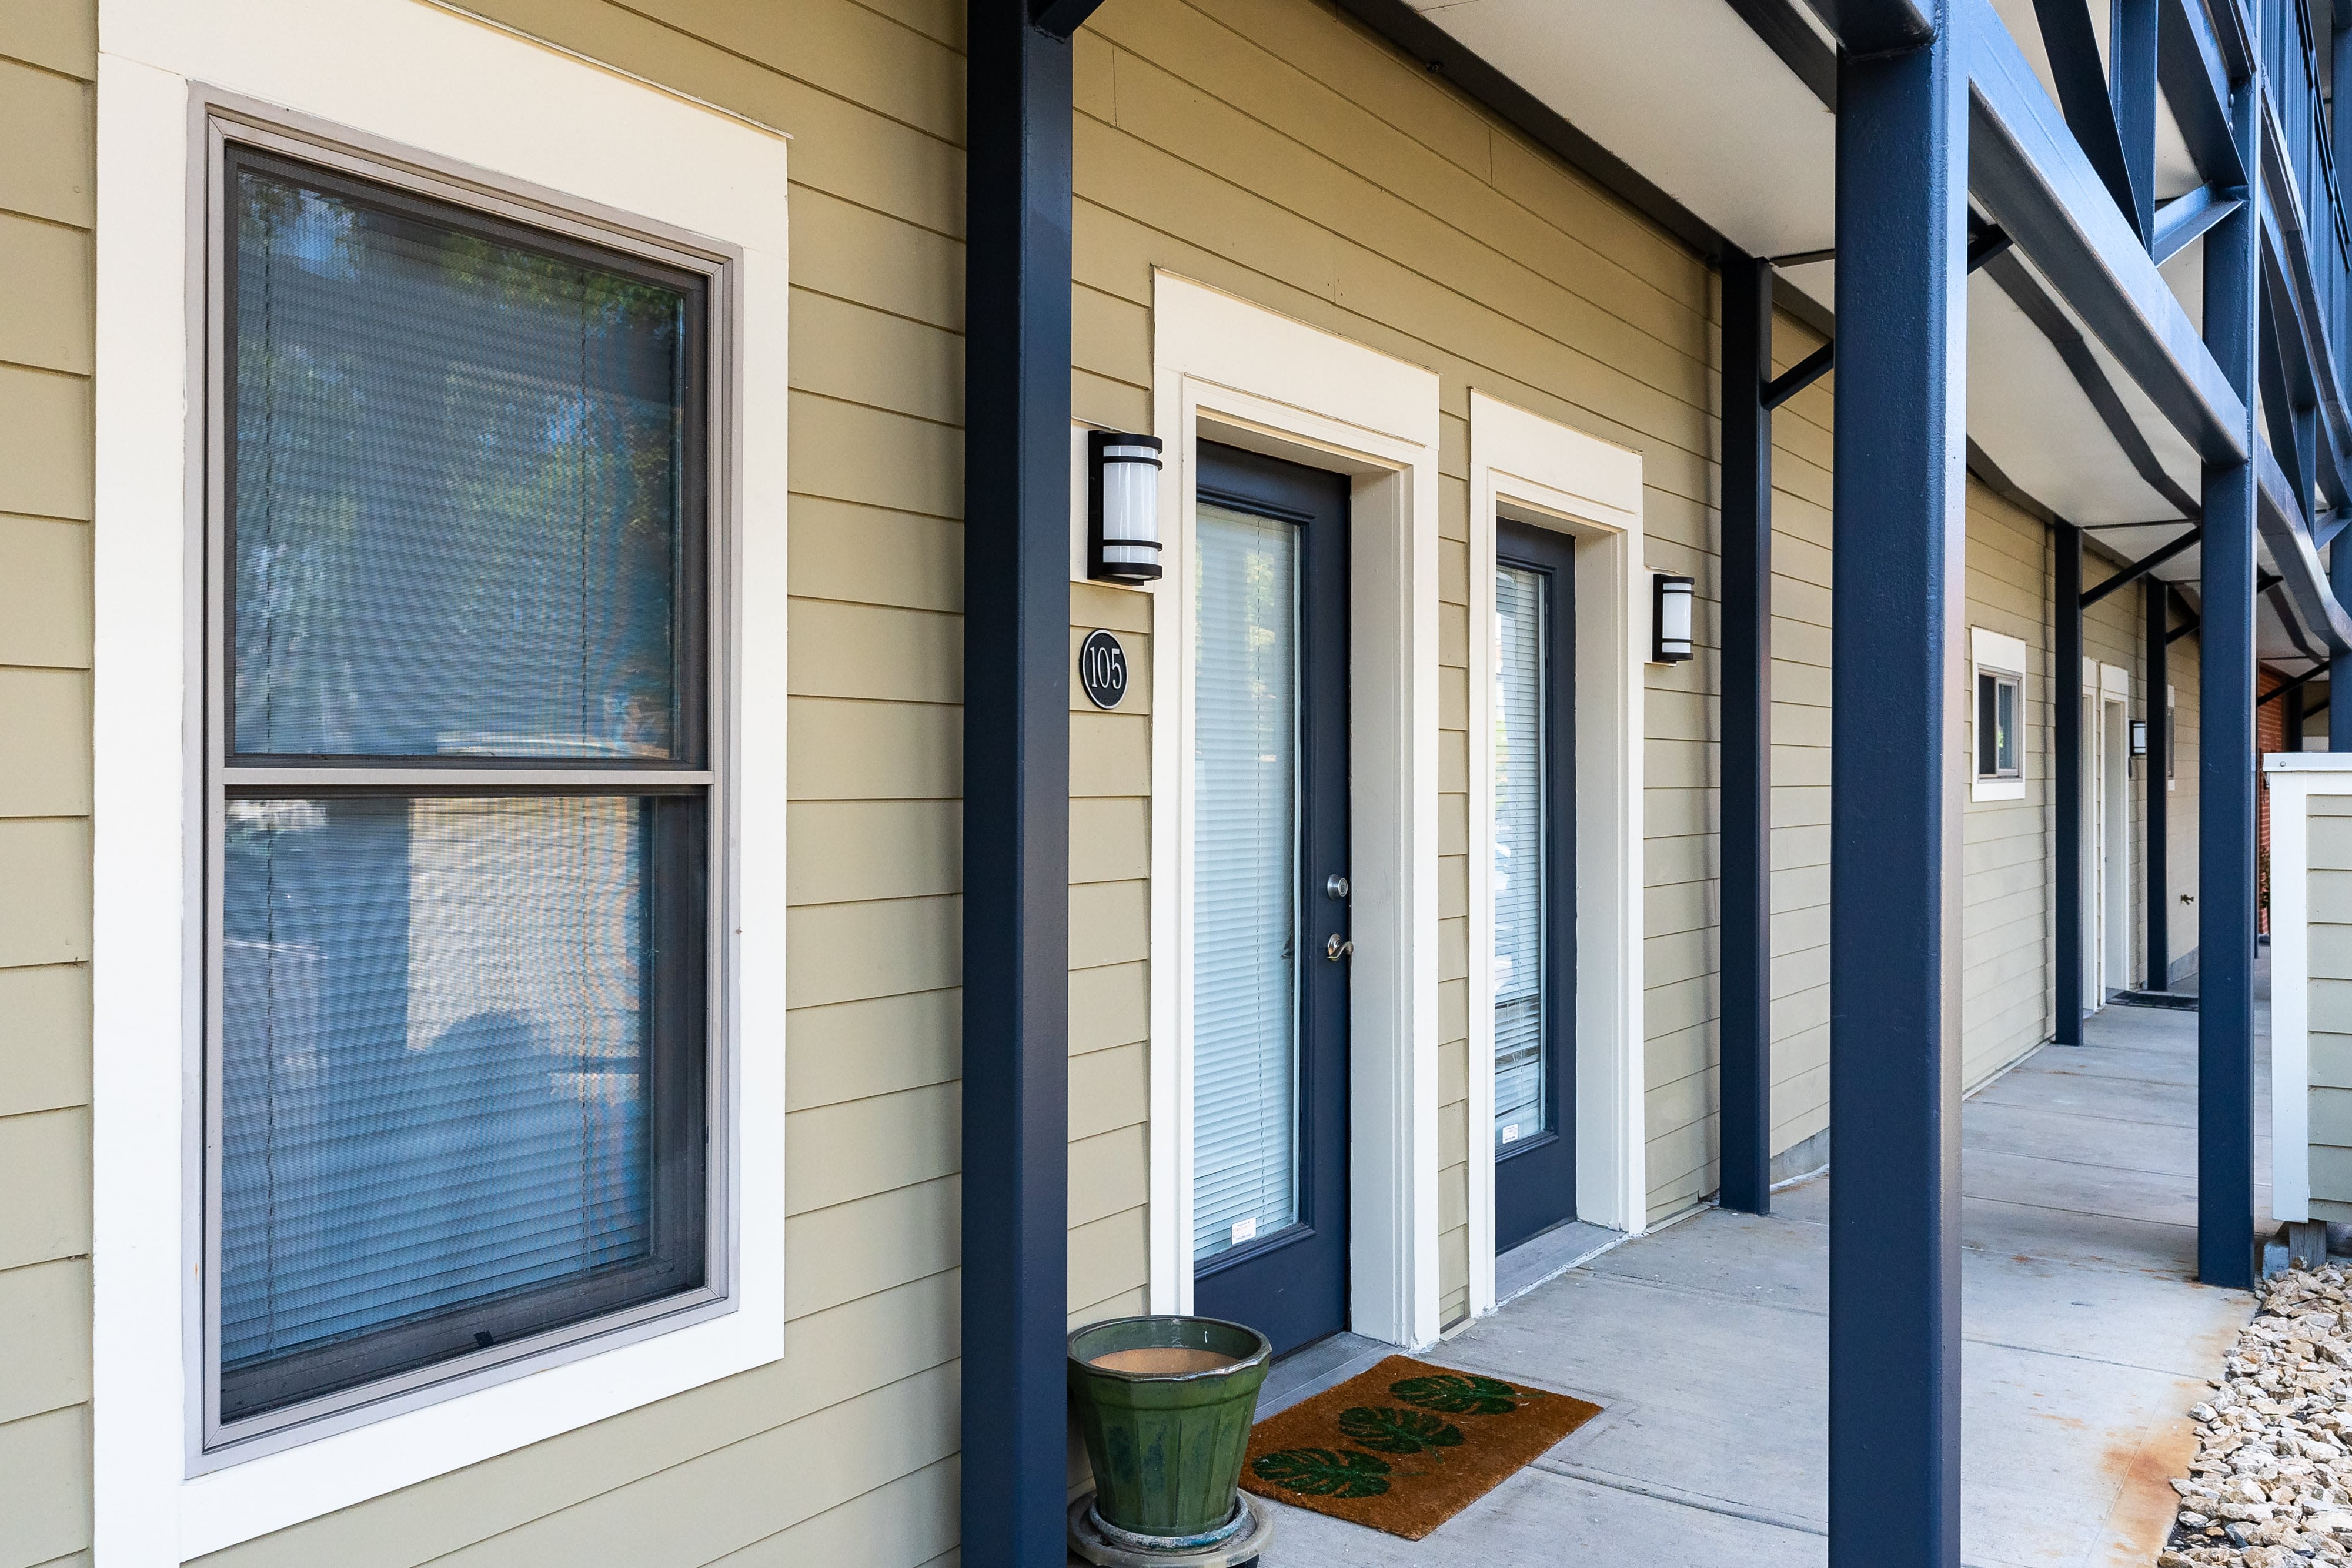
(2000, 705)
(457, 1068)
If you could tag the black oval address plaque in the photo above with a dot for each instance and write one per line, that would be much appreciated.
(1102, 669)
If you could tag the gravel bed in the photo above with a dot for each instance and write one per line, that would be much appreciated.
(2272, 1482)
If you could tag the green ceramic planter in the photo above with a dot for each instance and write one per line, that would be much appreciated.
(1165, 1404)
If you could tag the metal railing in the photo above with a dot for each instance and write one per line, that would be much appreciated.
(2295, 74)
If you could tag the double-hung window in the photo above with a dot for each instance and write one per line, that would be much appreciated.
(459, 1091)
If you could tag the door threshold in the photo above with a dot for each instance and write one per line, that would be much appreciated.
(1546, 1255)
(1311, 1368)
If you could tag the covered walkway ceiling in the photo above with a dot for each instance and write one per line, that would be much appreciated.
(1720, 104)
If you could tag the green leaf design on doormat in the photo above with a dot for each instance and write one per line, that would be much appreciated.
(1319, 1472)
(1392, 1431)
(1459, 1394)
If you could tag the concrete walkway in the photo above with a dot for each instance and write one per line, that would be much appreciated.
(1706, 1343)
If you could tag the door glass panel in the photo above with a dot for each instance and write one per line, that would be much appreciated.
(1244, 881)
(1522, 1109)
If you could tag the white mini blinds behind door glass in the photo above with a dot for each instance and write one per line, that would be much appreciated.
(1520, 895)
(458, 1060)
(1244, 874)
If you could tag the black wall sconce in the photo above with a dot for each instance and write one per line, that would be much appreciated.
(1122, 506)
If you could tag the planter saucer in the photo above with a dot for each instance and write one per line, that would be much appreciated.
(1090, 1544)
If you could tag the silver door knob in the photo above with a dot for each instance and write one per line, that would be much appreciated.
(1338, 949)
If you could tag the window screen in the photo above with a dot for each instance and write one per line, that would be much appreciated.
(459, 1057)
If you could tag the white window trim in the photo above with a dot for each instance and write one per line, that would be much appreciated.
(463, 95)
(1246, 375)
(1533, 470)
(1994, 652)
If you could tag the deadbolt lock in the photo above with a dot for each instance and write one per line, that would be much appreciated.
(1335, 886)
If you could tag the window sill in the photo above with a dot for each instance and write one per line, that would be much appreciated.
(1997, 789)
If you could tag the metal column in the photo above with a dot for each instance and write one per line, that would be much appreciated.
(1017, 808)
(2066, 784)
(1745, 933)
(2339, 666)
(2225, 761)
(1894, 861)
(2155, 682)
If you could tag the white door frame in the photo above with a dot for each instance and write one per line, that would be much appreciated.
(1248, 376)
(1532, 470)
(2117, 895)
(2106, 824)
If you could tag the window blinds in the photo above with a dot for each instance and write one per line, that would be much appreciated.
(1244, 880)
(434, 1065)
(1521, 1106)
(455, 489)
(457, 1075)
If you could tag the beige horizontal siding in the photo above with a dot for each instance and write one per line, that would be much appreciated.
(844, 1449)
(1268, 147)
(2328, 856)
(47, 61)
(1280, 152)
(1800, 752)
(2006, 897)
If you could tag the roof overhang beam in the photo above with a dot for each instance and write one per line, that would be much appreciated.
(1877, 26)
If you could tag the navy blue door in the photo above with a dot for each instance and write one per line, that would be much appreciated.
(1535, 881)
(1271, 941)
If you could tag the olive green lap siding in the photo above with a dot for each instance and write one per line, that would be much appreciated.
(844, 1451)
(1274, 150)
(2006, 892)
(1278, 152)
(47, 63)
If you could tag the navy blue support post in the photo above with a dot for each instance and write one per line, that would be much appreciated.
(2132, 84)
(2339, 127)
(1894, 855)
(2339, 580)
(1016, 743)
(2155, 678)
(1746, 932)
(2225, 762)
(2066, 784)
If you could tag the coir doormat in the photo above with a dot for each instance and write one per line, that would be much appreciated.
(1406, 1445)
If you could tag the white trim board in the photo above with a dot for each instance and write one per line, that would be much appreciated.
(1535, 471)
(1251, 377)
(459, 94)
(2294, 778)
